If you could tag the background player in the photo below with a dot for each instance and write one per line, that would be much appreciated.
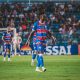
(17, 43)
(41, 31)
(34, 48)
(7, 38)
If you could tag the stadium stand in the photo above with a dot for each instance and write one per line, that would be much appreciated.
(63, 18)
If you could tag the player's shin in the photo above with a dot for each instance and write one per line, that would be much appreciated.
(42, 62)
(38, 64)
(38, 61)
(8, 56)
(33, 58)
(4, 56)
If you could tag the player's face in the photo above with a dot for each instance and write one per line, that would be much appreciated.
(42, 18)
(9, 30)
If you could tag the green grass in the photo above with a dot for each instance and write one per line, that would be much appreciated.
(58, 68)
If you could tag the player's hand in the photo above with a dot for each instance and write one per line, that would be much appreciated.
(54, 40)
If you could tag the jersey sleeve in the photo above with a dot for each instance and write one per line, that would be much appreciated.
(11, 33)
(46, 27)
(3, 33)
(34, 26)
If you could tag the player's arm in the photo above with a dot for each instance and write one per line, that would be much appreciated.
(3, 38)
(11, 39)
(49, 35)
(32, 32)
(28, 40)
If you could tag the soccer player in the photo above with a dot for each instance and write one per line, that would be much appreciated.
(41, 31)
(7, 38)
(17, 40)
(35, 50)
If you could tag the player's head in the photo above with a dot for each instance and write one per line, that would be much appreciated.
(8, 29)
(42, 17)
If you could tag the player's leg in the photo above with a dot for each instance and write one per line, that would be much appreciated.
(8, 51)
(38, 59)
(15, 47)
(12, 50)
(33, 58)
(38, 64)
(34, 54)
(4, 56)
(19, 51)
(41, 60)
(4, 50)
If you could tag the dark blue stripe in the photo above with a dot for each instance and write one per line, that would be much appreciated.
(41, 34)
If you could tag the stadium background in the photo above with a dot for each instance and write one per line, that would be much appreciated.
(63, 19)
(61, 67)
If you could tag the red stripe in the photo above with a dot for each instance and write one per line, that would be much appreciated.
(7, 37)
(41, 30)
(34, 39)
(41, 38)
(34, 34)
(41, 43)
(7, 42)
(38, 43)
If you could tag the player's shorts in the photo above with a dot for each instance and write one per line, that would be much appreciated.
(34, 46)
(6, 46)
(40, 46)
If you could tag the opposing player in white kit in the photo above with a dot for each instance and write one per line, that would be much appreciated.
(16, 43)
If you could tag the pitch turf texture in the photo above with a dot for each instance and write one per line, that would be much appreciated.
(58, 68)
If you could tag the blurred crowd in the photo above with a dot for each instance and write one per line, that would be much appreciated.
(63, 19)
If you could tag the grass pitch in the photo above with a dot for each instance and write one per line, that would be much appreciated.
(58, 68)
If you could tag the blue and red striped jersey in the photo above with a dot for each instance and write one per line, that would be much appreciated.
(40, 30)
(7, 37)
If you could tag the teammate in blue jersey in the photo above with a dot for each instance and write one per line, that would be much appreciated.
(34, 54)
(35, 50)
(7, 38)
(41, 32)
